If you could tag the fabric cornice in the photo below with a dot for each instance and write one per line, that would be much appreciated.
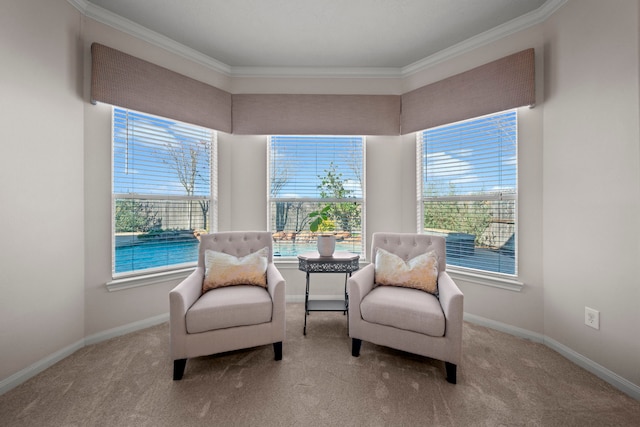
(293, 114)
(129, 82)
(500, 85)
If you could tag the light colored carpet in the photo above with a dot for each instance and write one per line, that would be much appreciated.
(503, 381)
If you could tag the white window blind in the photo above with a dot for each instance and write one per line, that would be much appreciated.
(467, 190)
(163, 192)
(309, 173)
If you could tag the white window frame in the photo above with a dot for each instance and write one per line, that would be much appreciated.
(132, 278)
(317, 200)
(476, 275)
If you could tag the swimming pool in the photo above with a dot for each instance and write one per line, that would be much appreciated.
(155, 254)
(162, 254)
(143, 256)
(292, 249)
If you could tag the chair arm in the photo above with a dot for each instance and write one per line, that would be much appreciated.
(182, 297)
(275, 284)
(451, 299)
(360, 284)
(276, 288)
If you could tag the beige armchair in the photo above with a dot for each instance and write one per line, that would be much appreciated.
(230, 317)
(408, 319)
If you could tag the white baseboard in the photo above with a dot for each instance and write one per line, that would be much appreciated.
(599, 371)
(126, 329)
(33, 370)
(300, 298)
(39, 366)
(503, 327)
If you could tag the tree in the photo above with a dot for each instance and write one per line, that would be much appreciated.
(471, 217)
(189, 161)
(133, 216)
(279, 178)
(345, 214)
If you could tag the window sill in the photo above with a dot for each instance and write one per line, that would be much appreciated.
(148, 279)
(485, 279)
(292, 263)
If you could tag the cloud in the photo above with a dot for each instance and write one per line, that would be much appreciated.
(444, 165)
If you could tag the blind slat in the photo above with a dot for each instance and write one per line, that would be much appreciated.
(162, 191)
(308, 173)
(468, 190)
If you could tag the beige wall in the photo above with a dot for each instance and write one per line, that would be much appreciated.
(591, 180)
(523, 309)
(585, 158)
(106, 310)
(390, 166)
(41, 183)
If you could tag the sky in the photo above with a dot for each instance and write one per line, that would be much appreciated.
(297, 162)
(472, 157)
(147, 161)
(468, 157)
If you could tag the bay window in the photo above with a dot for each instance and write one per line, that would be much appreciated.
(311, 174)
(162, 192)
(467, 191)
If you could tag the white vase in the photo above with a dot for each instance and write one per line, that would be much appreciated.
(326, 244)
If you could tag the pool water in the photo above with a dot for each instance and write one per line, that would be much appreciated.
(162, 254)
(144, 256)
(155, 254)
(289, 249)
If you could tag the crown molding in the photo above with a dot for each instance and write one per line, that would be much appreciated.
(353, 72)
(122, 24)
(518, 24)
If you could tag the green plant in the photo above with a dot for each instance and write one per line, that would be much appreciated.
(136, 216)
(333, 185)
(318, 217)
(327, 226)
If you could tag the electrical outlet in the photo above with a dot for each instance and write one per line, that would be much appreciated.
(592, 318)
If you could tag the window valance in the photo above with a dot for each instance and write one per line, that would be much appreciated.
(500, 85)
(289, 114)
(126, 81)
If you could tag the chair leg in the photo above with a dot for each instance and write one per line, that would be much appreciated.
(355, 347)
(277, 349)
(451, 372)
(178, 369)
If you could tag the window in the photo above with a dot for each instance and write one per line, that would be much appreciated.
(468, 190)
(163, 192)
(314, 173)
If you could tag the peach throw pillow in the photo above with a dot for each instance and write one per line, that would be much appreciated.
(420, 272)
(226, 270)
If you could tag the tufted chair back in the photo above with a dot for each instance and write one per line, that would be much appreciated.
(236, 243)
(229, 317)
(410, 245)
